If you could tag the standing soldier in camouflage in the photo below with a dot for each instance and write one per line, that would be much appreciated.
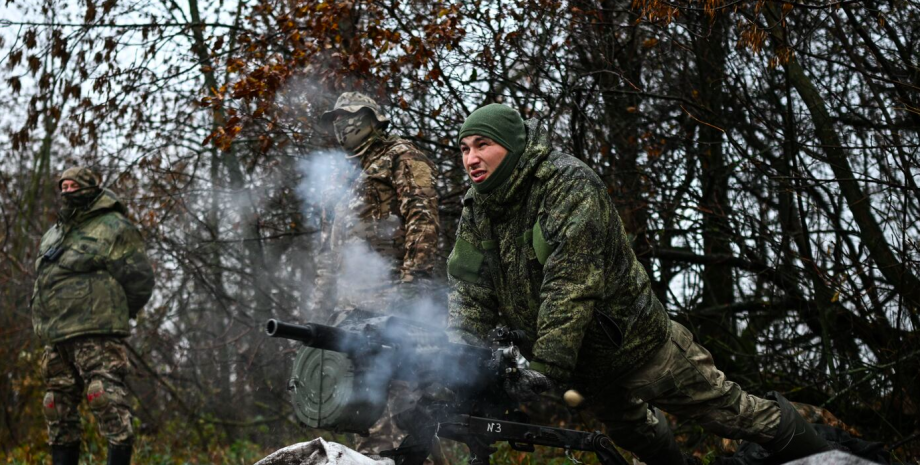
(391, 211)
(93, 275)
(540, 248)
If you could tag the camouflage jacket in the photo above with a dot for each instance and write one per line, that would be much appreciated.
(391, 209)
(101, 277)
(546, 253)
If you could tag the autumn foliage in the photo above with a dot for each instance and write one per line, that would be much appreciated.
(762, 155)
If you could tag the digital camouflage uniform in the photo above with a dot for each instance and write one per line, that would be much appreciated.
(93, 276)
(546, 253)
(391, 211)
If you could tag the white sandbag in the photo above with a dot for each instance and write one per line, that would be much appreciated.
(834, 457)
(319, 452)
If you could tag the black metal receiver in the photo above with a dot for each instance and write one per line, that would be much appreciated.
(476, 412)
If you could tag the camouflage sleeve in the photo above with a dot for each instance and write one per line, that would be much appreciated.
(576, 224)
(472, 303)
(128, 264)
(414, 180)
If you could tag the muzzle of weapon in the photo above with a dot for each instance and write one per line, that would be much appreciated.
(319, 336)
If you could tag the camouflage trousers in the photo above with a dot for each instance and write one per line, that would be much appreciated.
(681, 379)
(94, 367)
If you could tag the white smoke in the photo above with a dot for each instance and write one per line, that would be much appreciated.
(429, 308)
(327, 176)
(365, 278)
(369, 281)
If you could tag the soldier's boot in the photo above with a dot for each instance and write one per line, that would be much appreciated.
(795, 438)
(664, 451)
(119, 454)
(659, 449)
(65, 455)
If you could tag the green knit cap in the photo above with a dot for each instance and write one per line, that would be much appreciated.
(505, 126)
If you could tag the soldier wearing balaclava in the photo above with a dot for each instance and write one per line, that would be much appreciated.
(92, 277)
(390, 211)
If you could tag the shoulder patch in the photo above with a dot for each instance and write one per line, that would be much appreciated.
(404, 151)
(422, 173)
(465, 261)
(540, 246)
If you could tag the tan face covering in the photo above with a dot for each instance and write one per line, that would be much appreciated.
(351, 131)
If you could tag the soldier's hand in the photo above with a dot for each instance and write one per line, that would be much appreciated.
(528, 385)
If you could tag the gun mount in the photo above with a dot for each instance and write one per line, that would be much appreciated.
(341, 377)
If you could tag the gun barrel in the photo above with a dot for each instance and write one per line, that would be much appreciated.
(318, 336)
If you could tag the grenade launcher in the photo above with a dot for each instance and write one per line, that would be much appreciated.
(342, 374)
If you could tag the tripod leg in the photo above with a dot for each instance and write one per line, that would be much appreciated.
(437, 454)
(479, 451)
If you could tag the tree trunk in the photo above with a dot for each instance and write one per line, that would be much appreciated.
(718, 279)
(872, 235)
(253, 360)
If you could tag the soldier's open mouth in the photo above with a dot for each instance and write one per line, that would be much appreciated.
(478, 175)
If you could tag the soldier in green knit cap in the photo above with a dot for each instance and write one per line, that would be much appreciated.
(92, 276)
(540, 248)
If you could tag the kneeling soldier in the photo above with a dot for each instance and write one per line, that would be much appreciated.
(93, 275)
(540, 248)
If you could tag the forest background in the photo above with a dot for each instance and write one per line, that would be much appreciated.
(763, 155)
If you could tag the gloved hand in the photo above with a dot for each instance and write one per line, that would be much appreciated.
(528, 385)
